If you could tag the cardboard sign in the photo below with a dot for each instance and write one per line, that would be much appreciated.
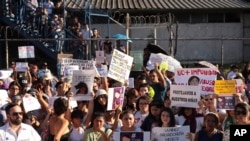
(225, 87)
(115, 97)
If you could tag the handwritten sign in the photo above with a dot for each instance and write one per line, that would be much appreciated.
(115, 97)
(203, 77)
(185, 96)
(26, 52)
(82, 79)
(120, 66)
(170, 133)
(225, 87)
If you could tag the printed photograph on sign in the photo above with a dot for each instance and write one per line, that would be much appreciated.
(100, 58)
(225, 102)
(203, 77)
(82, 84)
(115, 97)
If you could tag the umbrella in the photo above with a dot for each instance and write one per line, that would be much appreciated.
(208, 64)
(156, 49)
(121, 37)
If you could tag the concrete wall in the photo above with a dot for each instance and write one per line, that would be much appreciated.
(190, 47)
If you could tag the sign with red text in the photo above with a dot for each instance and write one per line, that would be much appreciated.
(120, 66)
(185, 96)
(26, 52)
(203, 77)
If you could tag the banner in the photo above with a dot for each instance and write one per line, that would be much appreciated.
(170, 133)
(120, 66)
(185, 96)
(26, 52)
(131, 136)
(115, 97)
(82, 79)
(225, 87)
(203, 77)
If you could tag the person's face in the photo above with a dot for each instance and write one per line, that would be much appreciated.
(132, 100)
(128, 120)
(95, 32)
(194, 82)
(155, 111)
(76, 122)
(188, 111)
(241, 114)
(208, 100)
(102, 100)
(95, 87)
(16, 115)
(143, 105)
(98, 122)
(210, 122)
(165, 117)
(14, 90)
(60, 90)
(153, 77)
(143, 91)
(126, 139)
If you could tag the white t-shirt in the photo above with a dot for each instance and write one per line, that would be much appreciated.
(76, 134)
(181, 119)
(139, 118)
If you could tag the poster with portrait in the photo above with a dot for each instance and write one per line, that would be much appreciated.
(185, 96)
(203, 77)
(170, 133)
(102, 70)
(120, 66)
(131, 136)
(100, 58)
(115, 97)
(26, 52)
(82, 84)
(68, 72)
(225, 102)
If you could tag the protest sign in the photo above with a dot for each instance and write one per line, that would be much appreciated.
(170, 133)
(102, 70)
(225, 102)
(203, 77)
(185, 96)
(131, 136)
(138, 59)
(100, 58)
(159, 58)
(30, 103)
(72, 103)
(239, 85)
(26, 52)
(82, 84)
(21, 66)
(3, 98)
(131, 83)
(4, 74)
(120, 66)
(68, 71)
(115, 97)
(225, 87)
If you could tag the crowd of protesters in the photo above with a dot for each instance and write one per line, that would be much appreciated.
(145, 106)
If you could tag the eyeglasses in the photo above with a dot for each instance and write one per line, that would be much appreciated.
(241, 112)
(211, 99)
(17, 113)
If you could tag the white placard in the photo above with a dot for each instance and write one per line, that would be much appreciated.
(170, 133)
(26, 52)
(185, 96)
(4, 74)
(21, 66)
(203, 77)
(102, 70)
(120, 66)
(3, 98)
(83, 77)
(131, 136)
(100, 58)
(30, 103)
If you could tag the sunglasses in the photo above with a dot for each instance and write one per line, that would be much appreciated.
(17, 113)
(241, 112)
(211, 99)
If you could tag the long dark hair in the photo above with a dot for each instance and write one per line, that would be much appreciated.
(172, 122)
